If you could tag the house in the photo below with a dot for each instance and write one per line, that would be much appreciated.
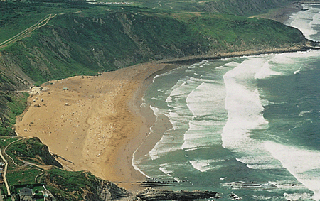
(26, 194)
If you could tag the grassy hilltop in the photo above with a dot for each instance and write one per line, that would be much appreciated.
(46, 40)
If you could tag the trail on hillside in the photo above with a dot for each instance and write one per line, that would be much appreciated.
(25, 33)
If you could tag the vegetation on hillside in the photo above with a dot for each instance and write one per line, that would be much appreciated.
(107, 38)
(80, 185)
(32, 150)
(31, 164)
(233, 7)
(11, 105)
(232, 33)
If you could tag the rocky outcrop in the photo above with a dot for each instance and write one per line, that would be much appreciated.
(106, 191)
(151, 194)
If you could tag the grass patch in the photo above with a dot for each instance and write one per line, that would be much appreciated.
(32, 150)
(13, 105)
(5, 141)
(23, 176)
(79, 185)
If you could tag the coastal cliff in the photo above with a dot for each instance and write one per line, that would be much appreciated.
(86, 43)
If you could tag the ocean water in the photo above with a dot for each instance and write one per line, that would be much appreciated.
(248, 125)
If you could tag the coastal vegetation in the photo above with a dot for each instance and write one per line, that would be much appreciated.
(79, 185)
(30, 164)
(12, 105)
(33, 151)
(83, 39)
(233, 7)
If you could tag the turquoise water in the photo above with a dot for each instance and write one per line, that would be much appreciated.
(248, 125)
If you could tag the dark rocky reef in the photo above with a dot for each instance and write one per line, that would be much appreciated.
(151, 194)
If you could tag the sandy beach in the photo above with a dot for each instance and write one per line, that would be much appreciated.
(94, 123)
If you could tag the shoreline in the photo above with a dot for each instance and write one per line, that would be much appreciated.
(311, 45)
(96, 123)
(142, 142)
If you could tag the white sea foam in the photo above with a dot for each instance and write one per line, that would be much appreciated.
(245, 109)
(155, 110)
(196, 65)
(231, 64)
(205, 101)
(303, 164)
(243, 98)
(302, 113)
(243, 104)
(204, 165)
(297, 71)
(297, 196)
(199, 134)
(169, 99)
(160, 149)
(306, 20)
(205, 98)
(292, 62)
(302, 20)
(265, 71)
(165, 169)
(165, 145)
(155, 77)
(179, 116)
(135, 163)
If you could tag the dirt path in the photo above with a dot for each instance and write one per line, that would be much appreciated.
(25, 33)
(5, 173)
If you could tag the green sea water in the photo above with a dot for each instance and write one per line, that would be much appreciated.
(248, 126)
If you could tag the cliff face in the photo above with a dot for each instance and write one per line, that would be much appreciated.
(73, 44)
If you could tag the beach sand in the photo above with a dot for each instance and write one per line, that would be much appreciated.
(95, 123)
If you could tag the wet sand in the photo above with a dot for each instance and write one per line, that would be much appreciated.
(95, 123)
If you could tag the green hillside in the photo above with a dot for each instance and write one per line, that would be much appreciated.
(31, 165)
(104, 38)
(234, 7)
